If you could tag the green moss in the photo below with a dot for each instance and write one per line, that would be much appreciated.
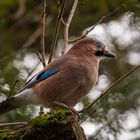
(3, 135)
(51, 126)
(54, 117)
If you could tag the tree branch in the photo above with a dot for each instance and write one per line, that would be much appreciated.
(13, 123)
(21, 9)
(36, 34)
(55, 35)
(67, 25)
(98, 22)
(43, 21)
(108, 89)
(58, 124)
(13, 87)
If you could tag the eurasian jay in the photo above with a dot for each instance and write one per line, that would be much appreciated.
(67, 79)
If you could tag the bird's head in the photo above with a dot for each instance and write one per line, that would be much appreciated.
(91, 47)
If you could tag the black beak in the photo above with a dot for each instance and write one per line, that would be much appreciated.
(109, 54)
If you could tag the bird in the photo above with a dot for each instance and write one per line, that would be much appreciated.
(67, 79)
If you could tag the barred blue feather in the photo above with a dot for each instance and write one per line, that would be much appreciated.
(47, 74)
(39, 77)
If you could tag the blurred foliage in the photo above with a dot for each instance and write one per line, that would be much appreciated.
(17, 38)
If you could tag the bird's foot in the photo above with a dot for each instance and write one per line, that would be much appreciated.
(69, 108)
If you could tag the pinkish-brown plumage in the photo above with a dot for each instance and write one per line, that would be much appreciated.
(77, 74)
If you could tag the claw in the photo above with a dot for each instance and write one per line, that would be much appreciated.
(69, 108)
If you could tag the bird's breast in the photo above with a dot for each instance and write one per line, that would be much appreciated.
(74, 81)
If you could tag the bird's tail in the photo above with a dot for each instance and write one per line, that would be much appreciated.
(8, 105)
(25, 97)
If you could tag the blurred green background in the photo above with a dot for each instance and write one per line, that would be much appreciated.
(117, 115)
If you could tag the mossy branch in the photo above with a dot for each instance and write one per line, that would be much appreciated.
(59, 124)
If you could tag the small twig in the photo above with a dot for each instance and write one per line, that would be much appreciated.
(87, 116)
(39, 57)
(36, 34)
(108, 89)
(59, 8)
(43, 21)
(13, 123)
(58, 5)
(67, 25)
(21, 9)
(63, 21)
(98, 22)
(13, 87)
(55, 35)
(32, 38)
(41, 111)
(30, 72)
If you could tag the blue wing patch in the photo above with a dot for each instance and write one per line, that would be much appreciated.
(47, 74)
(39, 77)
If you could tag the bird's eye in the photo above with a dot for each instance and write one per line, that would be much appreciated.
(99, 53)
(98, 45)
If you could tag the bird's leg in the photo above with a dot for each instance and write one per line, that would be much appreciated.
(67, 107)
